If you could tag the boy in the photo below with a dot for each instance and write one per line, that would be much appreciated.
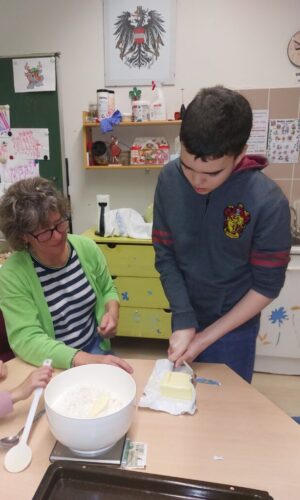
(221, 234)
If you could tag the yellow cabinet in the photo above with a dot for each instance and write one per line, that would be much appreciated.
(141, 292)
(129, 259)
(144, 310)
(147, 323)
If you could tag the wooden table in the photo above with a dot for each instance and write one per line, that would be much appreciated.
(259, 444)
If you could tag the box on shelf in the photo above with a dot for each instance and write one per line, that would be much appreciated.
(149, 151)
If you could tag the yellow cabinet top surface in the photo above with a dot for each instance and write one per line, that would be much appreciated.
(90, 233)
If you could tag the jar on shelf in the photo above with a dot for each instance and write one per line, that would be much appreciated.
(93, 112)
(111, 102)
(140, 111)
(102, 103)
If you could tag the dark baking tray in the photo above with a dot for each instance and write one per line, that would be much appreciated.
(65, 480)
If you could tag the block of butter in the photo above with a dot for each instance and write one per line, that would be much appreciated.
(176, 385)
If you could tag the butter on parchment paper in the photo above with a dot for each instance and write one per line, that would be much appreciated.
(176, 385)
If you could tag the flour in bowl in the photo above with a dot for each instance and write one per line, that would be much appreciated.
(86, 401)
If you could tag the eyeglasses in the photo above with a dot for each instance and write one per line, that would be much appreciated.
(46, 235)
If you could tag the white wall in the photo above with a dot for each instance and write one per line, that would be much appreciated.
(236, 43)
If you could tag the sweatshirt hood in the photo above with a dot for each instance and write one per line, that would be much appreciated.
(251, 161)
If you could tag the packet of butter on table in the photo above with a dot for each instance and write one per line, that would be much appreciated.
(169, 390)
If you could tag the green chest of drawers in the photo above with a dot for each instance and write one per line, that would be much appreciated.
(144, 308)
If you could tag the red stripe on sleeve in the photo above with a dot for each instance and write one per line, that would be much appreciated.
(270, 259)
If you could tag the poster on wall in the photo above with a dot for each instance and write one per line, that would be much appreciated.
(257, 142)
(139, 42)
(17, 169)
(284, 140)
(4, 120)
(30, 143)
(35, 74)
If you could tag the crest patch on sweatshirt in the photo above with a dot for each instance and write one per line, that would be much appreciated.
(236, 217)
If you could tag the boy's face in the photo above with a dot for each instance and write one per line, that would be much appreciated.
(206, 176)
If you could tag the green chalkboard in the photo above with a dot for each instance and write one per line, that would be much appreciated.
(34, 110)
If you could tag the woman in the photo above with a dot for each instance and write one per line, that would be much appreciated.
(56, 293)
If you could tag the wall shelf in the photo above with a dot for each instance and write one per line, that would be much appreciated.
(112, 167)
(86, 123)
(91, 128)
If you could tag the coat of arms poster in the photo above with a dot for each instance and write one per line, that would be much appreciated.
(139, 42)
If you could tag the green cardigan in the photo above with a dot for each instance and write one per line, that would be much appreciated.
(27, 317)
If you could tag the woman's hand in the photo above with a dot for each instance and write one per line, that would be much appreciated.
(108, 326)
(84, 358)
(109, 321)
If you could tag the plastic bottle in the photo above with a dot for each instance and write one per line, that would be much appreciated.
(158, 106)
(102, 102)
(111, 102)
(140, 111)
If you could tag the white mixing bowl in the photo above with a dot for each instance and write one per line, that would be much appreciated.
(90, 436)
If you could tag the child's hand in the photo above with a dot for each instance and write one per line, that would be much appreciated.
(3, 370)
(179, 342)
(37, 378)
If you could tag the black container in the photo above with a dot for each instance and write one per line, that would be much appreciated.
(63, 481)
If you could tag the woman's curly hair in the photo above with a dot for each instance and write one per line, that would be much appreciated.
(26, 206)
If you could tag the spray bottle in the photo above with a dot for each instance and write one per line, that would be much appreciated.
(158, 106)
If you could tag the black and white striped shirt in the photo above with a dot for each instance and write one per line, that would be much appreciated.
(71, 301)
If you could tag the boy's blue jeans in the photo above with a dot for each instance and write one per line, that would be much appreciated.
(236, 350)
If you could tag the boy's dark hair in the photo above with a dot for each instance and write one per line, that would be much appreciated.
(217, 122)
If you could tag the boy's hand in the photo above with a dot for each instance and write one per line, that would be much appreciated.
(179, 343)
(3, 370)
(37, 378)
(200, 342)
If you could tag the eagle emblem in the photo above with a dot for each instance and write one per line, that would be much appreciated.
(139, 36)
(235, 220)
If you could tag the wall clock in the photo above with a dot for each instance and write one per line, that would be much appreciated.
(293, 49)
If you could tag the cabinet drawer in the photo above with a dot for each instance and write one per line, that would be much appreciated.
(141, 292)
(130, 260)
(146, 323)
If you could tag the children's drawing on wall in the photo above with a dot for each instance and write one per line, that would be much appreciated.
(3, 151)
(28, 143)
(15, 170)
(35, 74)
(139, 41)
(19, 154)
(283, 141)
(4, 120)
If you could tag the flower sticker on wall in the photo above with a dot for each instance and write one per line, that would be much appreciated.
(278, 316)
